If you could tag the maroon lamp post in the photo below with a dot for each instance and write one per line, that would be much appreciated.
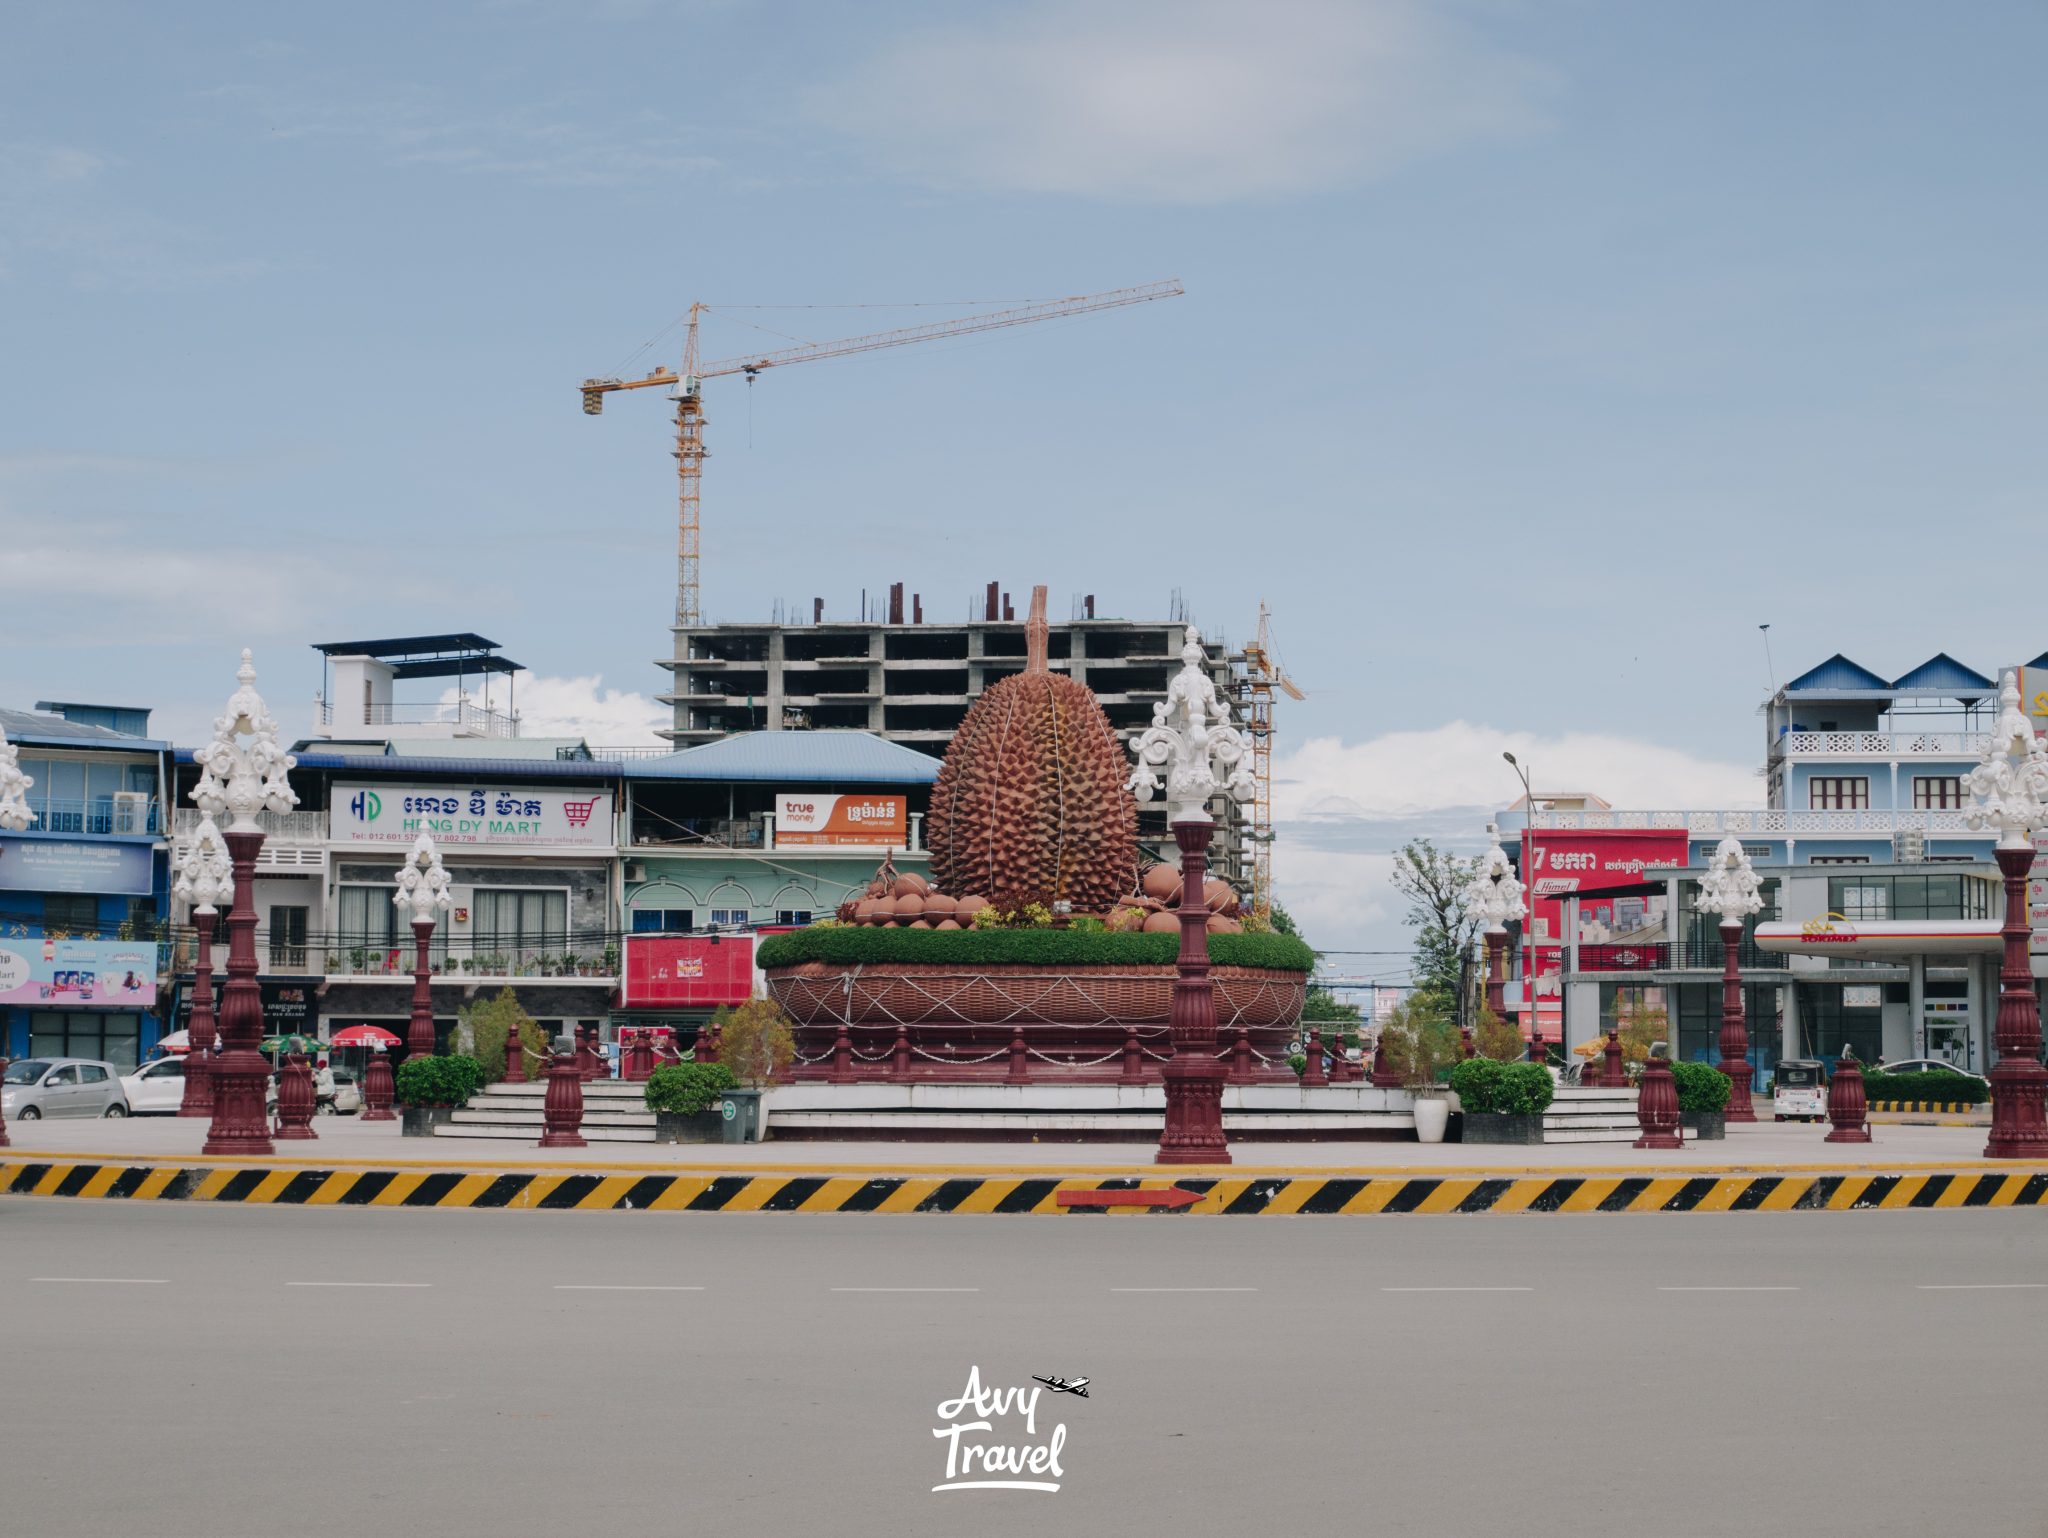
(1613, 1066)
(1657, 1103)
(2010, 788)
(1731, 889)
(205, 877)
(5, 1142)
(296, 1100)
(244, 781)
(1494, 897)
(1847, 1105)
(377, 1087)
(1192, 752)
(422, 896)
(15, 816)
(562, 1110)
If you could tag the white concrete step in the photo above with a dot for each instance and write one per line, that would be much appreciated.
(532, 1134)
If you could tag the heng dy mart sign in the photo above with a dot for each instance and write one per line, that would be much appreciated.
(459, 814)
(687, 971)
(807, 819)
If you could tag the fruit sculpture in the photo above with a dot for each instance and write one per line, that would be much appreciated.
(1032, 808)
(1030, 805)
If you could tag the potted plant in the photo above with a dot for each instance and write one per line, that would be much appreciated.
(430, 1088)
(1504, 1102)
(755, 1043)
(687, 1100)
(1422, 1044)
(358, 959)
(611, 961)
(1702, 1098)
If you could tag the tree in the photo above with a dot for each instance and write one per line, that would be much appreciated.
(1434, 880)
(1493, 1037)
(484, 1025)
(1420, 1038)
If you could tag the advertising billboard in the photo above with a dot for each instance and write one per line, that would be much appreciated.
(813, 819)
(74, 865)
(687, 971)
(1556, 861)
(397, 813)
(67, 974)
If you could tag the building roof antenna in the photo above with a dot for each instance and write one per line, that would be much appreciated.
(1770, 669)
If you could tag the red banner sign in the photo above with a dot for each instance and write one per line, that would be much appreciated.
(1556, 861)
(687, 971)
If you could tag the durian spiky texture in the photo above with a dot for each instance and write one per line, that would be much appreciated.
(1031, 804)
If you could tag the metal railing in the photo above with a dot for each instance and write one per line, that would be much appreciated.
(1881, 744)
(297, 827)
(1674, 956)
(463, 715)
(585, 956)
(1767, 820)
(626, 755)
(125, 815)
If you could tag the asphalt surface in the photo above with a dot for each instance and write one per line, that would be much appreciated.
(225, 1371)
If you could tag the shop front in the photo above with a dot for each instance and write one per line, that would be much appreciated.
(79, 998)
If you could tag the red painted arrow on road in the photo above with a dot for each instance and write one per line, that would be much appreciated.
(1153, 1196)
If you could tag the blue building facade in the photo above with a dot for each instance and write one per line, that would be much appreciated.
(85, 889)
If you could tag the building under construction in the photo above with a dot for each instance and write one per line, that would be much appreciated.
(910, 679)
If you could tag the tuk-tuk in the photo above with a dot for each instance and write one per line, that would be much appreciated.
(1802, 1091)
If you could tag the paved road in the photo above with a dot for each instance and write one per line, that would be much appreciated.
(512, 1374)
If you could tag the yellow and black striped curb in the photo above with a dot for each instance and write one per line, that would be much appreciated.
(1236, 1195)
(1919, 1107)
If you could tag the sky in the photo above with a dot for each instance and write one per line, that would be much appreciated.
(1531, 355)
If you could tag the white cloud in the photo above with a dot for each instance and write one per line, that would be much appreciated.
(583, 707)
(1177, 101)
(1341, 809)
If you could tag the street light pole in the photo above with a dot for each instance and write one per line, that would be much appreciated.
(244, 781)
(206, 877)
(1731, 889)
(1495, 898)
(1528, 939)
(2010, 790)
(1193, 752)
(422, 896)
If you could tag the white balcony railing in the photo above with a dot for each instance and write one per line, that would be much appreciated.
(1880, 745)
(1767, 820)
(464, 717)
(287, 827)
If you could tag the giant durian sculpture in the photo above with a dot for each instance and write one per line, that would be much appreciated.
(1031, 804)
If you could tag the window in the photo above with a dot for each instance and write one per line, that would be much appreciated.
(654, 921)
(369, 935)
(1937, 792)
(797, 916)
(91, 1073)
(1859, 900)
(522, 922)
(731, 918)
(1932, 896)
(72, 912)
(116, 1038)
(287, 938)
(1838, 793)
(1840, 859)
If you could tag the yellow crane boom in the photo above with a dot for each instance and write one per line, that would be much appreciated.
(1263, 674)
(686, 389)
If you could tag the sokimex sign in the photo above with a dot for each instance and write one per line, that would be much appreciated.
(505, 819)
(813, 819)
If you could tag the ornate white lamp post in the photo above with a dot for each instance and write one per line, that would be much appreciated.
(2010, 788)
(1495, 897)
(243, 781)
(1192, 752)
(15, 812)
(422, 897)
(206, 878)
(1731, 889)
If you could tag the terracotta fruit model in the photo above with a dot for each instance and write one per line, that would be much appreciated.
(1030, 805)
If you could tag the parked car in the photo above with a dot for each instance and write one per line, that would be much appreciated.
(157, 1088)
(37, 1087)
(1929, 1065)
(347, 1098)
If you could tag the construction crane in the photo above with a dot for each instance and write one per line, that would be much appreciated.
(686, 389)
(1262, 675)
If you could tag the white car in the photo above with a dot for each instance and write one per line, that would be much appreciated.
(157, 1088)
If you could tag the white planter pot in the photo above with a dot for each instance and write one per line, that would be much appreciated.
(1432, 1116)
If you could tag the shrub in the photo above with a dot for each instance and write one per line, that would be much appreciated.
(438, 1080)
(685, 1089)
(1502, 1089)
(756, 1044)
(1420, 1039)
(1936, 1088)
(1495, 1038)
(1701, 1087)
(488, 1021)
(1024, 947)
(1298, 1061)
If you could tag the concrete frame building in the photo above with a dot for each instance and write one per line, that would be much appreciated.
(910, 680)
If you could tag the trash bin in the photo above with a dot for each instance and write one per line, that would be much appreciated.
(741, 1109)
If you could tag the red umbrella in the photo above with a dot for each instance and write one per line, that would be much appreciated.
(364, 1036)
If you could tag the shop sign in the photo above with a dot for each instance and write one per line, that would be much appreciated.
(291, 1005)
(687, 971)
(492, 817)
(68, 973)
(802, 819)
(75, 865)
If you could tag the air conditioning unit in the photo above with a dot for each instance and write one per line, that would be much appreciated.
(131, 811)
(1909, 846)
(636, 870)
